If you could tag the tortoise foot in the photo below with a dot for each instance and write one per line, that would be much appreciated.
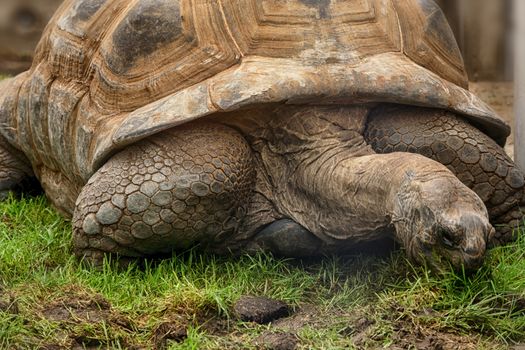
(94, 259)
(507, 225)
(175, 190)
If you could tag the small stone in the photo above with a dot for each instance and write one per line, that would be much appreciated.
(260, 309)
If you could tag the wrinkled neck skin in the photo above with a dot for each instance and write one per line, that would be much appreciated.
(311, 166)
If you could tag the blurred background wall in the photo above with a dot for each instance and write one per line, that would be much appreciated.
(481, 28)
(21, 24)
(483, 31)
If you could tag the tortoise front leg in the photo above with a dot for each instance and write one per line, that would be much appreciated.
(16, 174)
(475, 158)
(184, 187)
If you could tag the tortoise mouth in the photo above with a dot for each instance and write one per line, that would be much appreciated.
(461, 250)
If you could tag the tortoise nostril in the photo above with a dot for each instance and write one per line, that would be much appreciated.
(448, 238)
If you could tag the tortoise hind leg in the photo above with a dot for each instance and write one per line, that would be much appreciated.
(184, 187)
(16, 174)
(472, 156)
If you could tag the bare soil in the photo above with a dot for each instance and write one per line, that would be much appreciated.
(78, 315)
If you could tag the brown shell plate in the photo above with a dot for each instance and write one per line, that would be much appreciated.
(108, 73)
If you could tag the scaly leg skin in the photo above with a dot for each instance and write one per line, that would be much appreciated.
(475, 158)
(184, 187)
(16, 174)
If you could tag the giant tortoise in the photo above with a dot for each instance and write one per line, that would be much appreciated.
(300, 127)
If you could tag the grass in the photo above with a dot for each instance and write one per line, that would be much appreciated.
(49, 300)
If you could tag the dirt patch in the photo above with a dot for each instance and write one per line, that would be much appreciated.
(88, 309)
(277, 341)
(365, 329)
(85, 319)
(306, 315)
(403, 332)
(407, 335)
(173, 331)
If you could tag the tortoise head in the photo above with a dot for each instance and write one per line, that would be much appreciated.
(442, 223)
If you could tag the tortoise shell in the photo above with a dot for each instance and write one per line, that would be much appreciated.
(110, 72)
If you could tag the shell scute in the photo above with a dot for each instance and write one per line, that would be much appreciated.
(77, 18)
(158, 48)
(429, 41)
(437, 28)
(148, 26)
(148, 65)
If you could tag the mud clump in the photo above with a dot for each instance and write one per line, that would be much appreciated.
(260, 309)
